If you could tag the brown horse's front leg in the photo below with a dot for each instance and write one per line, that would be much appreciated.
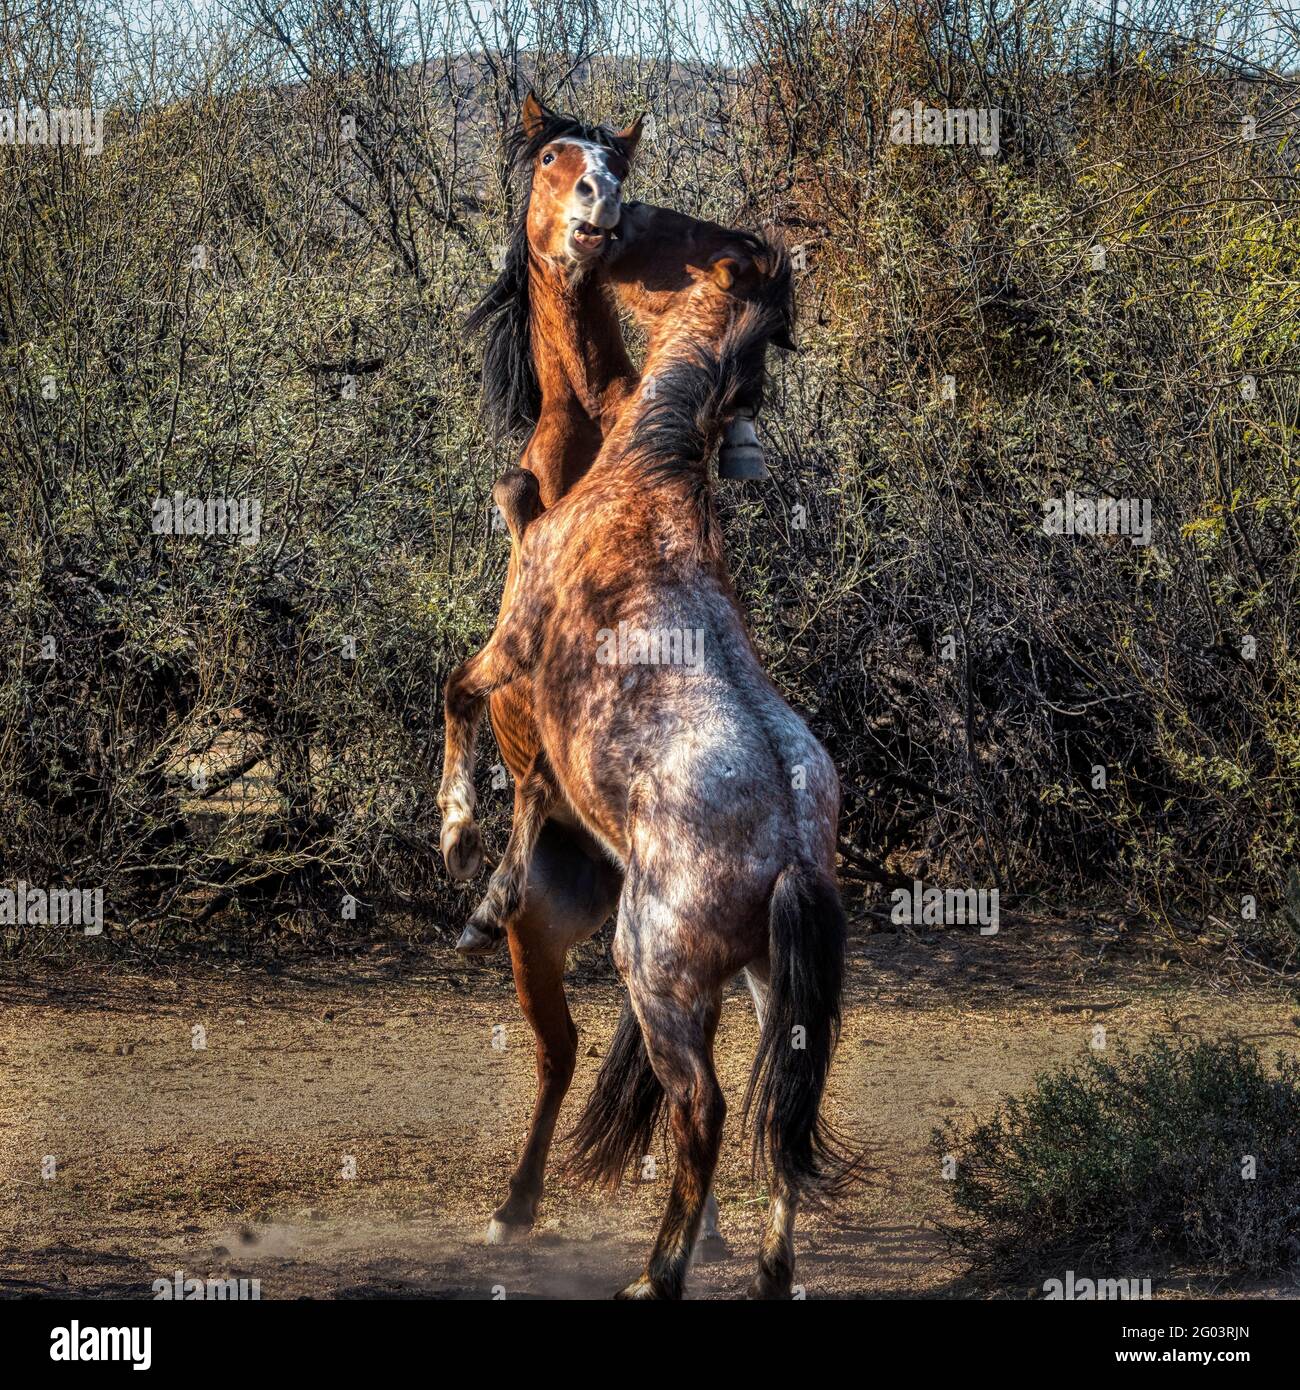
(572, 888)
(464, 697)
(486, 928)
(519, 500)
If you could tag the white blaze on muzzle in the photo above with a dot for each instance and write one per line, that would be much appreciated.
(597, 196)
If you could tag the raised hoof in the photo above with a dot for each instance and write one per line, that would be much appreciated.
(462, 849)
(507, 1232)
(639, 1288)
(474, 941)
(741, 455)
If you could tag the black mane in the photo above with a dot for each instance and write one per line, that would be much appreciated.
(511, 395)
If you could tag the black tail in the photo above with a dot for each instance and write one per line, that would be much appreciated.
(618, 1123)
(802, 1024)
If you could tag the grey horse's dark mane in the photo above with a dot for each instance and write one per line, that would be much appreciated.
(696, 394)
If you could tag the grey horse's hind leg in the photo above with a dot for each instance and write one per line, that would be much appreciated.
(776, 1253)
(711, 1244)
(678, 1030)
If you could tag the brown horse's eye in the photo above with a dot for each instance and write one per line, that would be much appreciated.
(548, 159)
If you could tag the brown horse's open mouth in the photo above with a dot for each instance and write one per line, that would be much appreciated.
(587, 237)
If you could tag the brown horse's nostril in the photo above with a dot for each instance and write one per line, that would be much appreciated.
(587, 188)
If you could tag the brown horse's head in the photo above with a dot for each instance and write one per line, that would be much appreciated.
(577, 173)
(574, 200)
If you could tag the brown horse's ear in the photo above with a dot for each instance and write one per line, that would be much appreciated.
(725, 271)
(631, 137)
(785, 340)
(533, 116)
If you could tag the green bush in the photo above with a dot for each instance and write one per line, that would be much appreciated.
(1138, 1164)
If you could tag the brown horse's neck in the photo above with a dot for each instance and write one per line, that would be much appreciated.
(583, 371)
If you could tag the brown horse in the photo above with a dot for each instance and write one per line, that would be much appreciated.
(660, 729)
(556, 363)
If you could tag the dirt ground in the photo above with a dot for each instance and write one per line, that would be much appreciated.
(232, 1159)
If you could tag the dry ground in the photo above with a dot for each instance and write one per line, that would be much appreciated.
(230, 1159)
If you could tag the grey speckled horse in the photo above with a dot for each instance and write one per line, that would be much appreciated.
(662, 733)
